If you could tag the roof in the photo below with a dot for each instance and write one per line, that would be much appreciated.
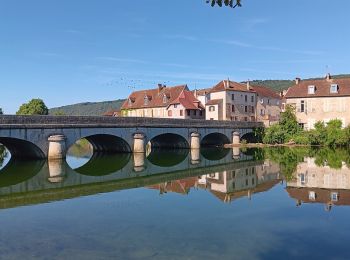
(154, 96)
(188, 101)
(265, 91)
(322, 88)
(225, 85)
(112, 112)
(322, 195)
(201, 92)
(214, 102)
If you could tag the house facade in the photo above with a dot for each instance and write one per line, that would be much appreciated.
(163, 102)
(229, 100)
(268, 105)
(320, 100)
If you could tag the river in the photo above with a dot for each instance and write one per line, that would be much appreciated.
(177, 204)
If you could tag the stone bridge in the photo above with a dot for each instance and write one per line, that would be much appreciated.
(37, 137)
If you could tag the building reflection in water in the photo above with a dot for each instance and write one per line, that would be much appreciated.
(228, 185)
(320, 184)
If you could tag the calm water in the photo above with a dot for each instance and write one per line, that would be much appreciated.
(217, 204)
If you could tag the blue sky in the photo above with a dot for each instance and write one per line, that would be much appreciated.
(66, 51)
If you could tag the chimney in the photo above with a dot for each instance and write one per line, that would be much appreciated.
(248, 85)
(297, 81)
(195, 93)
(328, 77)
(160, 87)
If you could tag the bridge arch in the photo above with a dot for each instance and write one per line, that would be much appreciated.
(250, 137)
(169, 141)
(215, 139)
(107, 143)
(22, 149)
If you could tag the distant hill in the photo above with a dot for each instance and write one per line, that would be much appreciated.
(278, 85)
(88, 108)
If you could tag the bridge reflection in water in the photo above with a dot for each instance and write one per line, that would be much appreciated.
(32, 182)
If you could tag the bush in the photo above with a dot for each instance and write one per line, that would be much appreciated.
(274, 135)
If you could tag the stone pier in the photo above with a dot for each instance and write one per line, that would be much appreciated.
(57, 147)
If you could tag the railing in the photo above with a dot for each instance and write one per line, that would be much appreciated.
(12, 121)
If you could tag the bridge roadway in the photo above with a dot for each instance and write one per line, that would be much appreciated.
(33, 137)
(32, 182)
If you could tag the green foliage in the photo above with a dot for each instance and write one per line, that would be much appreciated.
(3, 154)
(33, 107)
(59, 113)
(274, 135)
(1, 112)
(230, 3)
(89, 108)
(289, 122)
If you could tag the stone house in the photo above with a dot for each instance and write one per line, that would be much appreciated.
(164, 102)
(230, 100)
(320, 100)
(268, 105)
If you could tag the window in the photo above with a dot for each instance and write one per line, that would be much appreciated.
(175, 105)
(334, 196)
(262, 112)
(246, 109)
(212, 108)
(253, 110)
(188, 112)
(302, 106)
(245, 118)
(246, 182)
(233, 174)
(334, 88)
(246, 172)
(312, 195)
(311, 89)
(233, 185)
(302, 178)
(170, 113)
(233, 108)
(201, 113)
(252, 181)
(245, 98)
(181, 112)
(252, 98)
(194, 112)
(145, 100)
(165, 99)
(268, 101)
(232, 96)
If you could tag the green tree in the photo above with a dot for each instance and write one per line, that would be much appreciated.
(230, 3)
(59, 113)
(289, 122)
(33, 107)
(1, 112)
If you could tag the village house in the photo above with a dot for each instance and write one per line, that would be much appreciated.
(164, 102)
(268, 105)
(320, 100)
(230, 100)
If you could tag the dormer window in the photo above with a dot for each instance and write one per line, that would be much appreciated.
(311, 89)
(145, 100)
(165, 98)
(334, 88)
(131, 101)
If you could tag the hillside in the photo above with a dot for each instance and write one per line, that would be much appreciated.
(88, 108)
(278, 85)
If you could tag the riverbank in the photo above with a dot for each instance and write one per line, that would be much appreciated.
(262, 145)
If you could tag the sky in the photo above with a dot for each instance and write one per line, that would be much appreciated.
(66, 52)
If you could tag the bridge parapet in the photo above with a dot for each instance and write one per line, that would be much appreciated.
(10, 121)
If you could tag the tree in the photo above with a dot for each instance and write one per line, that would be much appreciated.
(230, 3)
(289, 122)
(59, 113)
(33, 107)
(1, 112)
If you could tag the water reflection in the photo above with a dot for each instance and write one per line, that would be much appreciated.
(311, 175)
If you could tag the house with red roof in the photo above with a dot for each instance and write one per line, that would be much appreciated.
(268, 105)
(320, 100)
(231, 100)
(164, 102)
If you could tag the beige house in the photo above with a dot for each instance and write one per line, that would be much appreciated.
(320, 184)
(320, 100)
(230, 100)
(164, 102)
(268, 105)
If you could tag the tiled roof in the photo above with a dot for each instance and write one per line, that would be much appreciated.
(111, 113)
(187, 99)
(322, 88)
(322, 195)
(214, 102)
(155, 97)
(230, 85)
(265, 92)
(202, 92)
